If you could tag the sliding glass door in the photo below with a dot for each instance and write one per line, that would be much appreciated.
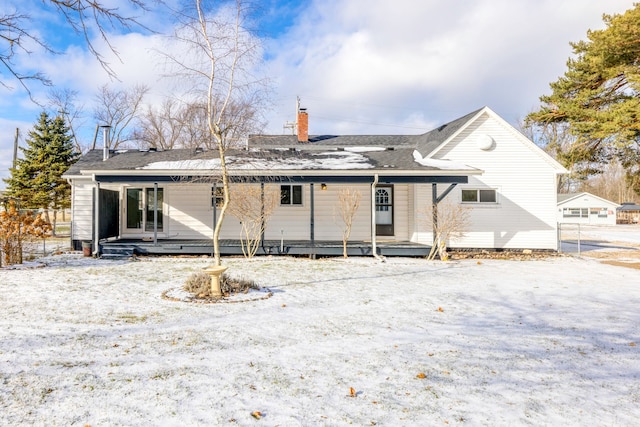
(143, 207)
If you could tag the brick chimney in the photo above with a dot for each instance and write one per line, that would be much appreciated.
(303, 125)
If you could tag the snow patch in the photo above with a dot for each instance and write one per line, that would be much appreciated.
(438, 163)
(363, 149)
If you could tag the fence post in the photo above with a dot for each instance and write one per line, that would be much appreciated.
(559, 238)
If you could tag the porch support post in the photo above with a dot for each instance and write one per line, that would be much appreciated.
(434, 210)
(374, 248)
(435, 199)
(155, 214)
(312, 235)
(446, 192)
(96, 219)
(262, 224)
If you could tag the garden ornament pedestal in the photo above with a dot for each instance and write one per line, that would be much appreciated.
(215, 272)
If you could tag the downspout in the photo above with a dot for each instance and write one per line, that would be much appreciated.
(312, 234)
(374, 248)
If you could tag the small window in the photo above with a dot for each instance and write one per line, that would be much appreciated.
(575, 212)
(291, 194)
(479, 196)
(217, 197)
(600, 212)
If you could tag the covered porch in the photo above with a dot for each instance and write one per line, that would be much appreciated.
(120, 248)
(107, 223)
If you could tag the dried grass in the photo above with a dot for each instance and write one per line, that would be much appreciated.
(199, 284)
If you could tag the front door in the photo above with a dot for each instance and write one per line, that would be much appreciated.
(384, 210)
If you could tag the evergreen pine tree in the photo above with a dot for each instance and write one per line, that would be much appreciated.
(37, 178)
(598, 99)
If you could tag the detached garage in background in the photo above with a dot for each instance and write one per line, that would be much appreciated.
(585, 208)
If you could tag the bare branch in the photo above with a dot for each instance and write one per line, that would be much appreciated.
(253, 206)
(348, 202)
(119, 109)
(84, 17)
(453, 221)
(217, 57)
(63, 101)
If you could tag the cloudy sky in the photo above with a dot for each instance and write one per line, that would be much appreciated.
(358, 66)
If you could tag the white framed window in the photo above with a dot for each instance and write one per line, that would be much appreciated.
(290, 195)
(217, 197)
(479, 196)
(141, 209)
(575, 212)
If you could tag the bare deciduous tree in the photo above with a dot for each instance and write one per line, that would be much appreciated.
(64, 102)
(253, 206)
(19, 34)
(161, 127)
(119, 109)
(174, 124)
(217, 58)
(556, 140)
(348, 204)
(612, 184)
(453, 220)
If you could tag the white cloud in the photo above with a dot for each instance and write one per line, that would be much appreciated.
(361, 65)
(432, 58)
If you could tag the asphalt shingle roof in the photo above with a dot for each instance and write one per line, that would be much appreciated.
(389, 152)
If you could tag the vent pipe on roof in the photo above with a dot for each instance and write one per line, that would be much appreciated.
(105, 135)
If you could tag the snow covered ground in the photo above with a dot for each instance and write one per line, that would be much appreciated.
(474, 342)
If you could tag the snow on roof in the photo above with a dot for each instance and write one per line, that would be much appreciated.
(334, 160)
(192, 164)
(364, 149)
(437, 163)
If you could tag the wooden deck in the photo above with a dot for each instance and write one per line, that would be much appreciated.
(269, 247)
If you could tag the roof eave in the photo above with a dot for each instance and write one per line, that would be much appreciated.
(283, 172)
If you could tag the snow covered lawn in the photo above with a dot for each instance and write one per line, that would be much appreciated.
(546, 342)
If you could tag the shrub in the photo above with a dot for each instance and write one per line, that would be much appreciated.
(199, 284)
(16, 228)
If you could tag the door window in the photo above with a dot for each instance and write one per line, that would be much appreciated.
(384, 206)
(140, 208)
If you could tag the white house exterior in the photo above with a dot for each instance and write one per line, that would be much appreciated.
(586, 208)
(478, 161)
(522, 177)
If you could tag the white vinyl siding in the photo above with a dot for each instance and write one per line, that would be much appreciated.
(190, 213)
(82, 209)
(525, 213)
(293, 222)
(328, 221)
(402, 212)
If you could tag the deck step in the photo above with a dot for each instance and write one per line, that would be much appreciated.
(117, 252)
